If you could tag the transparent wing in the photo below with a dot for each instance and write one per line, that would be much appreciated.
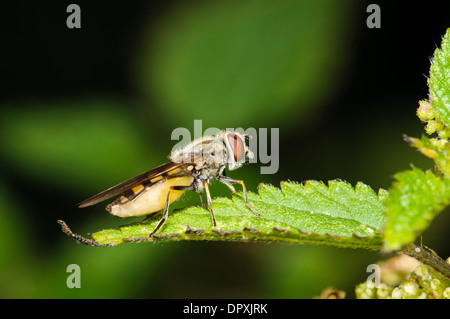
(166, 169)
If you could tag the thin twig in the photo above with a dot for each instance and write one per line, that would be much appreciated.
(428, 257)
(79, 238)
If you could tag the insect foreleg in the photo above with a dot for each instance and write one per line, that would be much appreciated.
(228, 184)
(227, 180)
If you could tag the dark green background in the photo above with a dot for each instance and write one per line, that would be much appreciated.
(81, 110)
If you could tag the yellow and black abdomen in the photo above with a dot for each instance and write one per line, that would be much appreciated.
(149, 199)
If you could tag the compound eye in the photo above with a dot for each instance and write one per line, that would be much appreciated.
(237, 145)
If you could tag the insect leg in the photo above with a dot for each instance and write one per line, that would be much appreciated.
(166, 207)
(191, 188)
(203, 201)
(228, 184)
(148, 217)
(165, 214)
(178, 188)
(225, 180)
(208, 199)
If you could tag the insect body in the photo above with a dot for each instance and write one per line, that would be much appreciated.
(190, 168)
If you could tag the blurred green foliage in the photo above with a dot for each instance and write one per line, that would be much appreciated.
(71, 143)
(416, 198)
(230, 64)
(226, 61)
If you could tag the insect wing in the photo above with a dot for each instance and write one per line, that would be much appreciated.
(143, 178)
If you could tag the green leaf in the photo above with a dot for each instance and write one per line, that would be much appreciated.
(415, 199)
(312, 213)
(439, 81)
(436, 149)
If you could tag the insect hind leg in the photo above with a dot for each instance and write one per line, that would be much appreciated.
(165, 215)
(166, 209)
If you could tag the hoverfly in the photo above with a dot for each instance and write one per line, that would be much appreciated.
(190, 168)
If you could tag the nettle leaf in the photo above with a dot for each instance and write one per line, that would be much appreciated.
(436, 149)
(415, 199)
(313, 213)
(439, 81)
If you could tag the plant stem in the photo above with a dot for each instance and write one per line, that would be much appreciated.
(428, 257)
